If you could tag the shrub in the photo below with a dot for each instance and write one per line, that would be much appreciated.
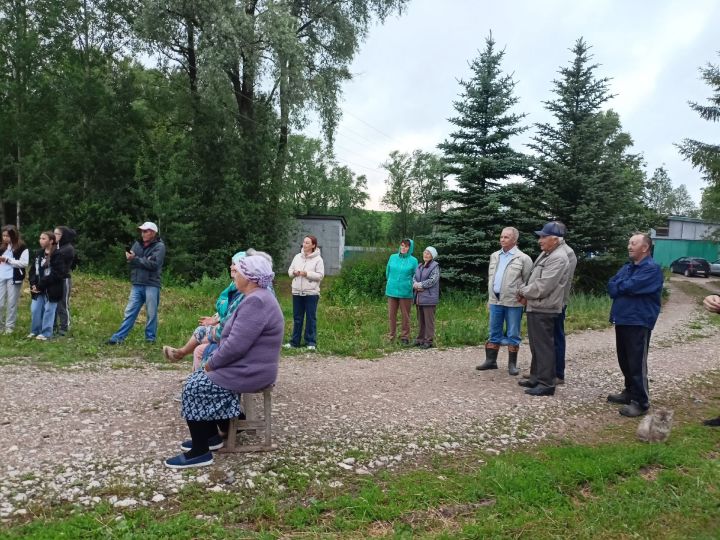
(593, 274)
(361, 278)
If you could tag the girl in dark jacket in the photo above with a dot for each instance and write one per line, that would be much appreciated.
(46, 287)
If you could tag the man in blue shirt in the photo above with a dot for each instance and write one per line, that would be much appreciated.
(509, 269)
(636, 293)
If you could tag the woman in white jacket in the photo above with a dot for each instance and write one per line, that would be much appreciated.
(307, 270)
(14, 258)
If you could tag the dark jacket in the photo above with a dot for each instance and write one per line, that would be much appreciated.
(18, 272)
(146, 267)
(636, 291)
(47, 279)
(429, 279)
(67, 250)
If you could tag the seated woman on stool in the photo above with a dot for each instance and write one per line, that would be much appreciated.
(210, 329)
(245, 361)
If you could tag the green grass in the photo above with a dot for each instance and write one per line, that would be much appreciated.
(357, 329)
(600, 482)
(605, 484)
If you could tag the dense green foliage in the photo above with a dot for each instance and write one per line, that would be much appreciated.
(415, 191)
(93, 138)
(479, 156)
(664, 200)
(586, 176)
(706, 155)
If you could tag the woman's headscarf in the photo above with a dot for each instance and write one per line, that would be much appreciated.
(256, 269)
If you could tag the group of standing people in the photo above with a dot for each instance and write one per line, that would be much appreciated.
(411, 282)
(49, 274)
(541, 289)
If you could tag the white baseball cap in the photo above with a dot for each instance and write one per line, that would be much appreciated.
(148, 226)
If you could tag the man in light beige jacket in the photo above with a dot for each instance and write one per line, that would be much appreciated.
(543, 297)
(509, 269)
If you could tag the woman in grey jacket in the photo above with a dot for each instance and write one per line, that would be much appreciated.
(426, 286)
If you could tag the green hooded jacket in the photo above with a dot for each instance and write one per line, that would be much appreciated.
(399, 272)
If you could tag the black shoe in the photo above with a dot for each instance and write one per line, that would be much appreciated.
(404, 342)
(528, 383)
(426, 346)
(112, 342)
(713, 422)
(623, 398)
(541, 391)
(633, 409)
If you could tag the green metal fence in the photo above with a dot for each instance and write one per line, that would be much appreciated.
(666, 251)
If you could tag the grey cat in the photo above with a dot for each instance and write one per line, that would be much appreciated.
(655, 427)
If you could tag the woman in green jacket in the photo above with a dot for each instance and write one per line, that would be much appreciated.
(399, 272)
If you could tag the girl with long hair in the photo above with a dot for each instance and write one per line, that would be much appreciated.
(46, 287)
(13, 262)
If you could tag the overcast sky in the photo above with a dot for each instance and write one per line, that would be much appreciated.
(405, 76)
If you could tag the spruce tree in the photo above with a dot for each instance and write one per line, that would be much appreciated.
(479, 157)
(706, 156)
(586, 177)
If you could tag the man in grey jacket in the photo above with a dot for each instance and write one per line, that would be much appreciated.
(560, 321)
(509, 269)
(146, 260)
(543, 297)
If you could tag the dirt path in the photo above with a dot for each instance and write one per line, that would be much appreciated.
(73, 433)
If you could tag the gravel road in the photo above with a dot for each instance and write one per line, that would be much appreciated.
(98, 432)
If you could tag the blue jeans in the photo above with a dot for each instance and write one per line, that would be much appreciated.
(42, 316)
(304, 308)
(139, 295)
(505, 324)
(560, 345)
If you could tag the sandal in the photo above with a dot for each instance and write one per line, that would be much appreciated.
(170, 354)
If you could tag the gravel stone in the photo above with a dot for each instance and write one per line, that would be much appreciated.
(116, 426)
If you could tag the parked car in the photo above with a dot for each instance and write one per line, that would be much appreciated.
(715, 268)
(691, 266)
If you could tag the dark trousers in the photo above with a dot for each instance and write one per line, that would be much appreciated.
(541, 334)
(560, 344)
(632, 344)
(201, 431)
(304, 309)
(426, 322)
(62, 314)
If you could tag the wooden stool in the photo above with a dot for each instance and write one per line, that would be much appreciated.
(252, 424)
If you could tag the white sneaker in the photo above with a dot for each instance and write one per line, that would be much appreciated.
(30, 335)
(311, 347)
(40, 337)
(288, 346)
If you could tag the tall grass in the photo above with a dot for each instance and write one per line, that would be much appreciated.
(347, 325)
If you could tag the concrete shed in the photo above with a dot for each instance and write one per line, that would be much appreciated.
(330, 232)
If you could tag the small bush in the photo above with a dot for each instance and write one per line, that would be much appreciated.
(592, 275)
(361, 278)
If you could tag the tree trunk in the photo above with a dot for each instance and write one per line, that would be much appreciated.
(281, 154)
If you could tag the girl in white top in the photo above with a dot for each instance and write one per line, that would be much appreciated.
(14, 257)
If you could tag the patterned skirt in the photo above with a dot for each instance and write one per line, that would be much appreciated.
(204, 400)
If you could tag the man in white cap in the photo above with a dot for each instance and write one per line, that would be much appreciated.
(146, 260)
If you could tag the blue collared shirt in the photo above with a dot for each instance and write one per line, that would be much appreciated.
(504, 257)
